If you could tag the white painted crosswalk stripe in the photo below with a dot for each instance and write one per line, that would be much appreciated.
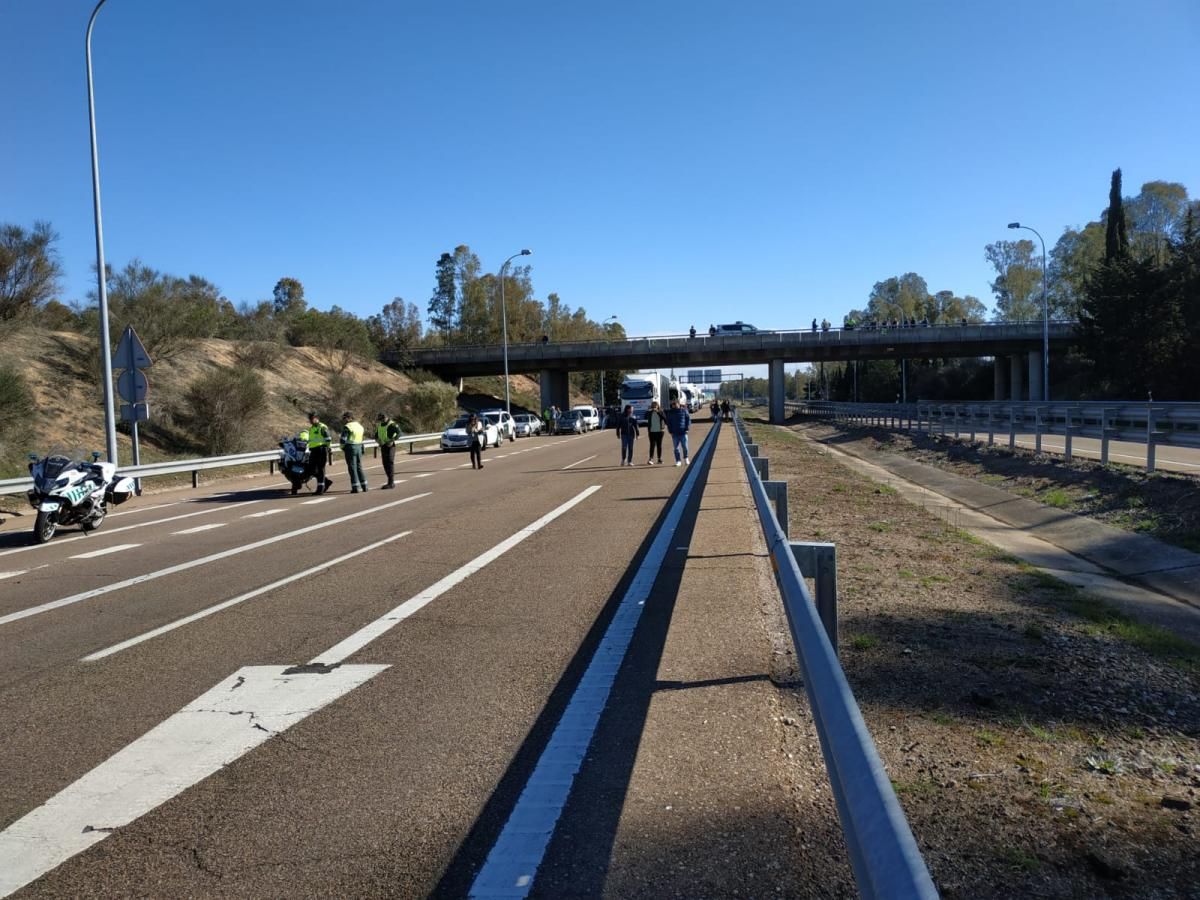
(107, 550)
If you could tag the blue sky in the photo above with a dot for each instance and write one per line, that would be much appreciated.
(673, 163)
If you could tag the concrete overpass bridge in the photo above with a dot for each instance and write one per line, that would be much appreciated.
(1019, 343)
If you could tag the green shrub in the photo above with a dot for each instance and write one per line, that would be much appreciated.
(428, 407)
(257, 354)
(220, 407)
(16, 402)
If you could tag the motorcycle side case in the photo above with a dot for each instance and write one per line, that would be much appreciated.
(120, 491)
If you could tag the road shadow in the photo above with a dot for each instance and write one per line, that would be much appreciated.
(609, 763)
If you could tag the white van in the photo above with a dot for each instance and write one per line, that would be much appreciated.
(591, 416)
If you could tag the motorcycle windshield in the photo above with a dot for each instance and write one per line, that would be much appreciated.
(57, 460)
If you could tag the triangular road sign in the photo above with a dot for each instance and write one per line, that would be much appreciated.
(130, 352)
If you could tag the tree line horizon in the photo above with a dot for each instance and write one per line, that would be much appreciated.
(1135, 297)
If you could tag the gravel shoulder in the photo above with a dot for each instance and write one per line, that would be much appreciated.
(1041, 744)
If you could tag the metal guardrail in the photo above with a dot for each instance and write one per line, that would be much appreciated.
(883, 853)
(196, 466)
(1152, 424)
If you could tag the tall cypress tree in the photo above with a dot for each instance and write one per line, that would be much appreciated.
(1116, 240)
(441, 304)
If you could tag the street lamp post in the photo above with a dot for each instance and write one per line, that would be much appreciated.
(110, 428)
(504, 325)
(1045, 314)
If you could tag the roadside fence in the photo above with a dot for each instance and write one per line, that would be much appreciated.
(1152, 424)
(196, 466)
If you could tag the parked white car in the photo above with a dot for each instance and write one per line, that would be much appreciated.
(502, 420)
(527, 424)
(455, 435)
(591, 416)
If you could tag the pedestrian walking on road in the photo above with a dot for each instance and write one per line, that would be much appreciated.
(476, 437)
(678, 423)
(387, 432)
(725, 410)
(656, 427)
(627, 431)
(352, 447)
(318, 451)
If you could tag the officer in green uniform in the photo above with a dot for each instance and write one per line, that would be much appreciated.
(387, 432)
(352, 447)
(318, 450)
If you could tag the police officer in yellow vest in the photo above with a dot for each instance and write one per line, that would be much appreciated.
(386, 433)
(318, 451)
(352, 446)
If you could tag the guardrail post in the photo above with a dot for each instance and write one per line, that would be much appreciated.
(777, 491)
(819, 562)
(957, 431)
(1012, 427)
(195, 478)
(1151, 435)
(1104, 436)
(991, 424)
(752, 449)
(1037, 430)
(271, 466)
(1068, 432)
(762, 466)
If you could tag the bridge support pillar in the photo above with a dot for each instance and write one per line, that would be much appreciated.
(775, 390)
(555, 390)
(1016, 379)
(1000, 384)
(1035, 376)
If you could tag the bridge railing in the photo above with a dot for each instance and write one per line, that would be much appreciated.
(195, 466)
(1151, 424)
(883, 853)
(764, 338)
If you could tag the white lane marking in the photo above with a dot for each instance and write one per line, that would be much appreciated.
(242, 711)
(264, 513)
(193, 563)
(241, 598)
(355, 642)
(141, 509)
(581, 462)
(199, 528)
(317, 500)
(423, 475)
(107, 550)
(111, 531)
(513, 861)
(463, 466)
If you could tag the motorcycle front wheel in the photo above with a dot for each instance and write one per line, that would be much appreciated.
(44, 526)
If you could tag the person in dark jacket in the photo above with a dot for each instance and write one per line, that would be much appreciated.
(627, 431)
(656, 427)
(476, 437)
(678, 423)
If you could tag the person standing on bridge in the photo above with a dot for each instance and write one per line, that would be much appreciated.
(387, 432)
(318, 451)
(656, 427)
(627, 431)
(678, 423)
(352, 447)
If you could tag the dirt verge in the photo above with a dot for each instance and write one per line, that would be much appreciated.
(1040, 744)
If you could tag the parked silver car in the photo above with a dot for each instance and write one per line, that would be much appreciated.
(455, 436)
(527, 425)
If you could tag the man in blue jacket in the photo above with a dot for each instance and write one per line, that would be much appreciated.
(678, 423)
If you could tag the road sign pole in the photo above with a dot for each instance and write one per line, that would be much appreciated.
(137, 457)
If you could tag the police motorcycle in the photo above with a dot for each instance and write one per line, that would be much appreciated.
(294, 461)
(69, 491)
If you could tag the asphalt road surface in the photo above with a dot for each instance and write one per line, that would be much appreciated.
(237, 692)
